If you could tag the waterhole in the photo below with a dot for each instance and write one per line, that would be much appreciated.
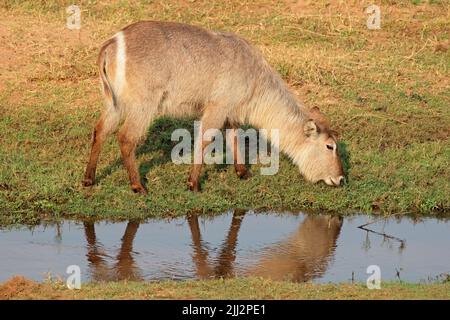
(281, 246)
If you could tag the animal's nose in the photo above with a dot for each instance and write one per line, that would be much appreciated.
(339, 181)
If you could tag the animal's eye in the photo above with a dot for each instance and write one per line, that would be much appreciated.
(330, 147)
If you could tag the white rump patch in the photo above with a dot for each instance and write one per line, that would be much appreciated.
(120, 80)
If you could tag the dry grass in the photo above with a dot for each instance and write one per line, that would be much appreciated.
(21, 288)
(386, 91)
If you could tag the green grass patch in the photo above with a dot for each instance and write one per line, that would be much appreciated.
(385, 91)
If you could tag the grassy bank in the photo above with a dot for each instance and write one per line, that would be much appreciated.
(20, 288)
(386, 91)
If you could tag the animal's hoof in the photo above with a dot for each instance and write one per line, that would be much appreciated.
(87, 182)
(139, 189)
(194, 187)
(244, 175)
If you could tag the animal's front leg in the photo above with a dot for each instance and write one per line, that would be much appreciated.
(239, 161)
(194, 177)
(213, 118)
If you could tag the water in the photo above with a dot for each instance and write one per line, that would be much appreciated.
(296, 247)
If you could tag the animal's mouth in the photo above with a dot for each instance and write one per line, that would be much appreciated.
(336, 182)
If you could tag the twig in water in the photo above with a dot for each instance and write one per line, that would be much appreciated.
(384, 235)
(363, 227)
(397, 273)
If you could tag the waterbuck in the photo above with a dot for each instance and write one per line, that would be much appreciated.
(303, 256)
(153, 68)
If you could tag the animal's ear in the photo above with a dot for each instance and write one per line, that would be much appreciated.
(310, 128)
(334, 134)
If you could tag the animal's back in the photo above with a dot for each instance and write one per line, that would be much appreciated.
(193, 66)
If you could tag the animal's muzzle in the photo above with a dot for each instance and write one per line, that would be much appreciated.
(339, 181)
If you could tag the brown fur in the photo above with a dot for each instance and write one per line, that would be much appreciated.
(155, 68)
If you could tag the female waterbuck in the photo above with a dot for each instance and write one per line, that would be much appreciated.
(160, 68)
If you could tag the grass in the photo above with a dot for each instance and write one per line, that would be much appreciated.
(250, 288)
(386, 92)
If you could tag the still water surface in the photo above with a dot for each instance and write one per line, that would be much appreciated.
(296, 247)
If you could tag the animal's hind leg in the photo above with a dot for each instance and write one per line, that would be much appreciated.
(131, 133)
(108, 122)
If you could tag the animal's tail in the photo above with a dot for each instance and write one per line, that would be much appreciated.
(101, 62)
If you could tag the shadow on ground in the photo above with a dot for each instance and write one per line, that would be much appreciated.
(158, 141)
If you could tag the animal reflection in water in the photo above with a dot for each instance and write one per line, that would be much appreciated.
(124, 267)
(304, 255)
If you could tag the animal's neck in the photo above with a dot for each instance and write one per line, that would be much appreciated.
(278, 109)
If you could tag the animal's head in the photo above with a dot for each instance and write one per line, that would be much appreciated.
(319, 157)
